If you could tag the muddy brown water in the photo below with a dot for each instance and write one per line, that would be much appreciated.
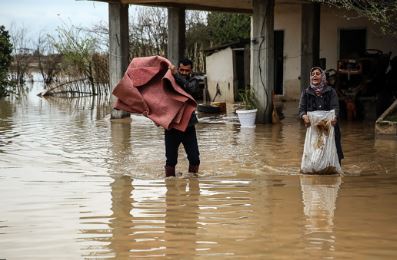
(75, 185)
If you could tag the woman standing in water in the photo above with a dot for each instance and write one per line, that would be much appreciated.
(320, 96)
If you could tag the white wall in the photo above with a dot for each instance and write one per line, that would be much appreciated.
(288, 18)
(219, 70)
(332, 20)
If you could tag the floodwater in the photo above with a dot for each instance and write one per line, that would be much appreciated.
(74, 185)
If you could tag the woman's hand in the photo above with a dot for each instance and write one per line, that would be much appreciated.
(333, 121)
(306, 120)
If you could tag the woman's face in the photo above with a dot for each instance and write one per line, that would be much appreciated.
(315, 77)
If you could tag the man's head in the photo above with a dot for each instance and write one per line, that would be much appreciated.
(185, 67)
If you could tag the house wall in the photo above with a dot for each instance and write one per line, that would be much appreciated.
(219, 70)
(332, 20)
(288, 18)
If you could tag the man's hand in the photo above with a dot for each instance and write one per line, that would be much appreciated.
(173, 69)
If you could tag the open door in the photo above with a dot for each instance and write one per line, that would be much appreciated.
(278, 62)
(239, 73)
(352, 43)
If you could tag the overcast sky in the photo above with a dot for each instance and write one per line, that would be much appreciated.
(46, 15)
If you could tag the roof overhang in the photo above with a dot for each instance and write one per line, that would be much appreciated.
(240, 6)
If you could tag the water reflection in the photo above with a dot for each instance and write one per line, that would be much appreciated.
(6, 123)
(121, 189)
(319, 198)
(146, 224)
(389, 160)
(106, 234)
(181, 217)
(120, 147)
(77, 185)
(121, 219)
(246, 137)
(99, 106)
(149, 218)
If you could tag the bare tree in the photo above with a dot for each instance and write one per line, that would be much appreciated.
(77, 49)
(100, 32)
(148, 32)
(22, 53)
(49, 62)
(197, 38)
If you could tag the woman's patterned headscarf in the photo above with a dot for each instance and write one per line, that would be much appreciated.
(318, 88)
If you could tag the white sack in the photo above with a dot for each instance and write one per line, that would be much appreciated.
(319, 153)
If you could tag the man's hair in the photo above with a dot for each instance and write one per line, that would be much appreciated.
(186, 62)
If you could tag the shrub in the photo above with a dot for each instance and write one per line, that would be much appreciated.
(5, 60)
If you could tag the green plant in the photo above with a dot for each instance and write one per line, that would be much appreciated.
(5, 60)
(224, 28)
(248, 98)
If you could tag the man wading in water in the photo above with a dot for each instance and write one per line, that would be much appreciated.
(173, 138)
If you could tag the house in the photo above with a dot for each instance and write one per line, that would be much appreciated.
(308, 31)
(228, 70)
(342, 35)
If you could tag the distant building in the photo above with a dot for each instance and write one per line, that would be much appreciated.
(228, 69)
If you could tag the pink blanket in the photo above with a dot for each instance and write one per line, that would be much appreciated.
(149, 88)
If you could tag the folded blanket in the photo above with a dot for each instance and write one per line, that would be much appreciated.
(149, 88)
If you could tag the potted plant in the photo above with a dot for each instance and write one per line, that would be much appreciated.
(247, 113)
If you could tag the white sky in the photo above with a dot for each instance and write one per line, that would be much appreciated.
(45, 15)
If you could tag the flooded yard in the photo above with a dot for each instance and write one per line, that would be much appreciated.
(75, 185)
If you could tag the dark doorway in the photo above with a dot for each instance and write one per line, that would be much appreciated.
(352, 43)
(278, 62)
(239, 72)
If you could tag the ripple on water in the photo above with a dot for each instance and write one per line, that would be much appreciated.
(77, 185)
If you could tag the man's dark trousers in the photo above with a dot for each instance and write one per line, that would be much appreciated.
(173, 138)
